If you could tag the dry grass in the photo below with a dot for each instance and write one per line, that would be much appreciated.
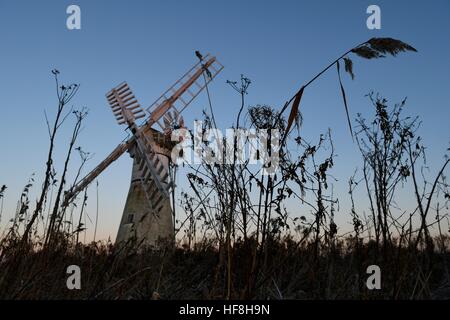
(291, 272)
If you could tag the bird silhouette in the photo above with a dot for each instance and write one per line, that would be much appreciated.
(199, 55)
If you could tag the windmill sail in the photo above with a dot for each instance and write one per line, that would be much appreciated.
(184, 90)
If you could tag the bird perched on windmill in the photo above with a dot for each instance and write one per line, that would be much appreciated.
(200, 57)
(148, 215)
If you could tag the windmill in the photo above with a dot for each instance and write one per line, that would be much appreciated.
(148, 215)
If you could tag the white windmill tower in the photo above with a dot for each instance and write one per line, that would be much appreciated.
(148, 216)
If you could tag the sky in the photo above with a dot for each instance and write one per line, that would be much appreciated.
(279, 45)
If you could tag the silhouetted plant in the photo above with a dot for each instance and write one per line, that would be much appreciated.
(2, 196)
(374, 48)
(64, 93)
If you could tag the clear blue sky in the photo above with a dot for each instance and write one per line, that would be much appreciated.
(278, 44)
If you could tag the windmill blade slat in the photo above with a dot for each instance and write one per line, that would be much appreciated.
(127, 95)
(135, 106)
(125, 98)
(122, 85)
(190, 92)
(110, 96)
(137, 112)
(113, 102)
(121, 91)
(198, 85)
(139, 116)
(118, 114)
